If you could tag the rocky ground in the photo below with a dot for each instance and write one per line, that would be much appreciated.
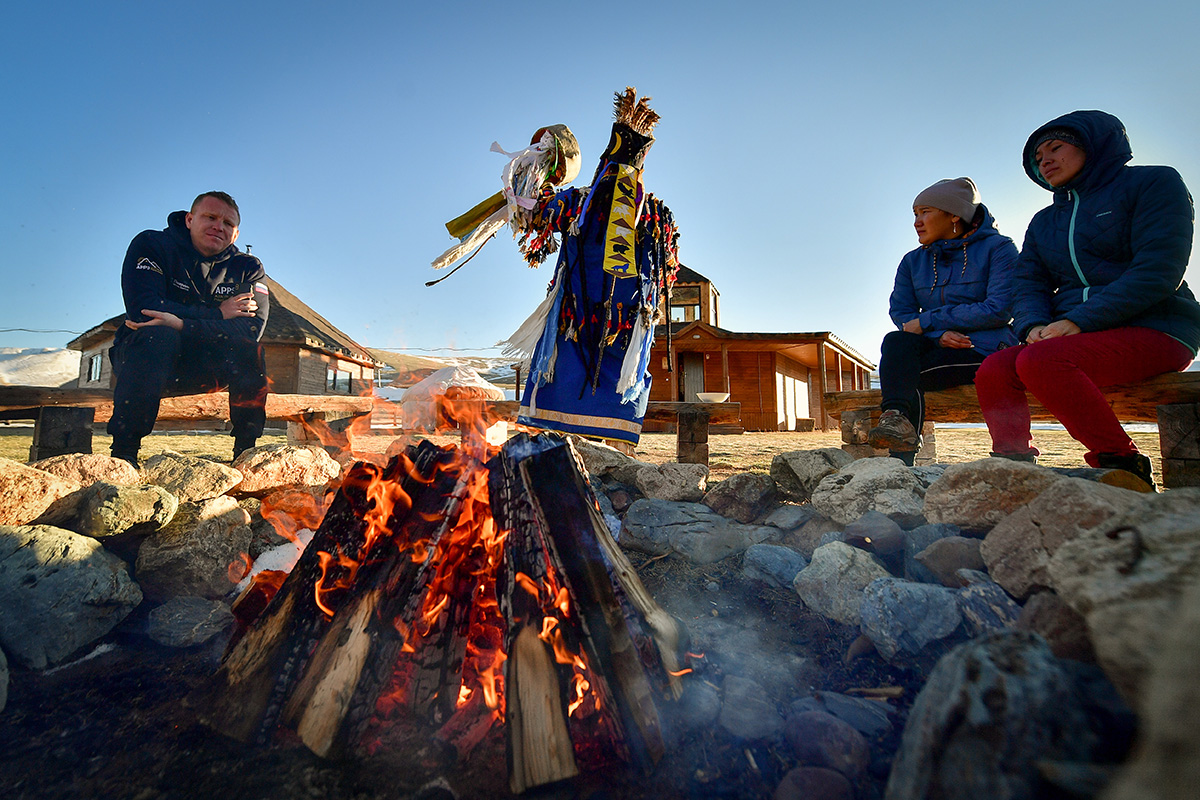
(803, 681)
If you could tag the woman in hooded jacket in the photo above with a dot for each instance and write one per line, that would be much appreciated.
(1099, 297)
(951, 304)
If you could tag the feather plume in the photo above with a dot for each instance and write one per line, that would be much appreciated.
(629, 110)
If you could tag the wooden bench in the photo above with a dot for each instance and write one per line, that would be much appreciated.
(1171, 400)
(692, 421)
(63, 418)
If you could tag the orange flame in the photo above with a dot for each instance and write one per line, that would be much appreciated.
(239, 568)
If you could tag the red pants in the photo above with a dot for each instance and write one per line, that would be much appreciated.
(1066, 374)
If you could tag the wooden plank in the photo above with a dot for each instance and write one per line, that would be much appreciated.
(658, 410)
(1132, 402)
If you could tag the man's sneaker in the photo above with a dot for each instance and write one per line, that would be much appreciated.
(894, 432)
(240, 446)
(1136, 463)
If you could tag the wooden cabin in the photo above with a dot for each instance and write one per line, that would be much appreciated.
(304, 352)
(780, 379)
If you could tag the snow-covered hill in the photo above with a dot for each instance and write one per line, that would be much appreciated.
(38, 366)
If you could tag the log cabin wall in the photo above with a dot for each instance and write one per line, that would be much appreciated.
(283, 368)
(95, 368)
(314, 374)
(752, 383)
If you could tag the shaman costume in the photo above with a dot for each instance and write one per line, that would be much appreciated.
(588, 343)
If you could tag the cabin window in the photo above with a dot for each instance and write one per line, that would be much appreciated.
(337, 381)
(95, 367)
(685, 304)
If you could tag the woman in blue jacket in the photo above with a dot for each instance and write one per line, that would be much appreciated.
(951, 304)
(1099, 297)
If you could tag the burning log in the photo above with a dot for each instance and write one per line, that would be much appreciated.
(422, 580)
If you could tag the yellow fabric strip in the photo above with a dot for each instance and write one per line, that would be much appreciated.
(619, 256)
(583, 420)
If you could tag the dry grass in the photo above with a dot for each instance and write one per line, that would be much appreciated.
(728, 454)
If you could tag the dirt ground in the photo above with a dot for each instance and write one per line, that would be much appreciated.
(728, 454)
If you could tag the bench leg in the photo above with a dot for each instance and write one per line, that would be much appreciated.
(691, 438)
(60, 430)
(1179, 442)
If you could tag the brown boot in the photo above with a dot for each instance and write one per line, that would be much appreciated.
(894, 432)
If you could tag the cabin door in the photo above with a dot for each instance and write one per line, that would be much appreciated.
(692, 368)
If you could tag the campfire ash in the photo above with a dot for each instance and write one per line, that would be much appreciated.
(443, 594)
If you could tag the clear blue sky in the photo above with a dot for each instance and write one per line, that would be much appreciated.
(793, 139)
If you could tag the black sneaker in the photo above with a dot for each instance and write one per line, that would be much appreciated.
(126, 451)
(1136, 463)
(240, 446)
(1028, 458)
(895, 432)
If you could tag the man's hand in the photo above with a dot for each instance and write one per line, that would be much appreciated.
(1063, 327)
(156, 318)
(243, 305)
(912, 326)
(955, 340)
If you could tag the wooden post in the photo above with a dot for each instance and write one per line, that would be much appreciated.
(822, 416)
(1179, 441)
(725, 368)
(59, 430)
(691, 440)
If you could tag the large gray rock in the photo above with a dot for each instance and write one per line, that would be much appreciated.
(25, 493)
(105, 510)
(833, 581)
(772, 564)
(87, 468)
(1018, 550)
(990, 711)
(814, 783)
(915, 542)
(871, 484)
(871, 718)
(789, 516)
(978, 494)
(1127, 576)
(59, 591)
(604, 461)
(743, 497)
(1166, 764)
(1063, 628)
(797, 473)
(811, 534)
(901, 617)
(944, 557)
(194, 553)
(693, 530)
(819, 739)
(188, 621)
(191, 479)
(746, 710)
(276, 466)
(985, 606)
(673, 481)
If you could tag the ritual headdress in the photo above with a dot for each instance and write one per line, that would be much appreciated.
(552, 159)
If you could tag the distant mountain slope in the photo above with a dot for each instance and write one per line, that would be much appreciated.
(38, 366)
(410, 369)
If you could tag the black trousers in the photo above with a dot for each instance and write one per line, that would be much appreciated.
(151, 363)
(911, 364)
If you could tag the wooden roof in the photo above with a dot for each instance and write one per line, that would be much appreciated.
(801, 347)
(291, 321)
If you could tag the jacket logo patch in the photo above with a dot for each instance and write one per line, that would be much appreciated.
(1103, 213)
(181, 285)
(145, 263)
(261, 287)
(225, 290)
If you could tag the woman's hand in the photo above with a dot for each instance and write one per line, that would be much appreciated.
(955, 340)
(912, 326)
(1063, 327)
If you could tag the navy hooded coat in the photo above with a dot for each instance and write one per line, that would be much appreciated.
(1112, 249)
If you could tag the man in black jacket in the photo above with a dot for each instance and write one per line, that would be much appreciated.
(195, 309)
